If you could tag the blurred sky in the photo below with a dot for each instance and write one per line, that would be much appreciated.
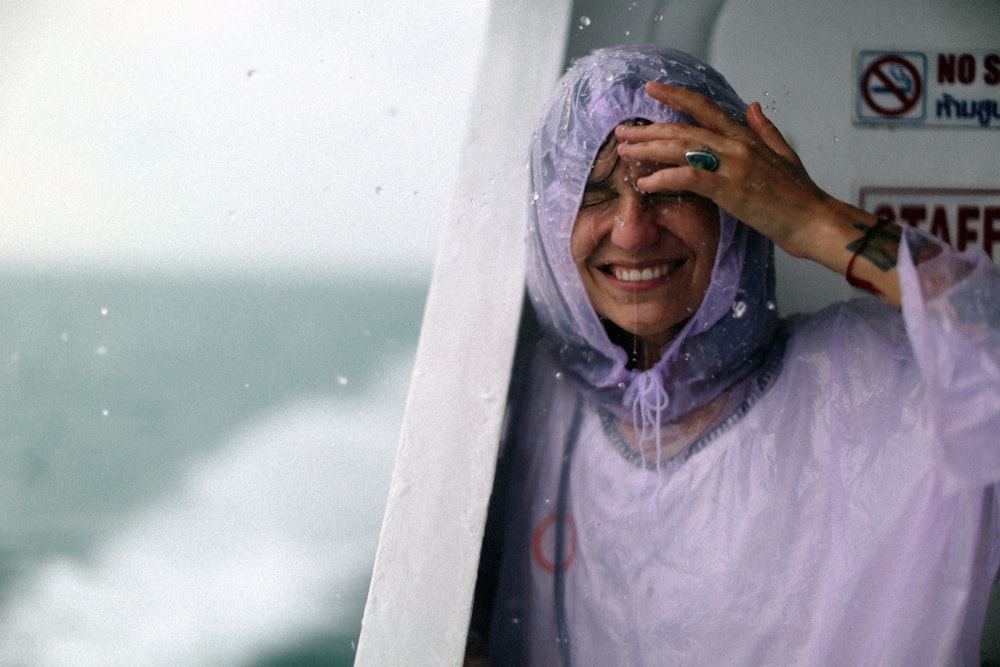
(232, 135)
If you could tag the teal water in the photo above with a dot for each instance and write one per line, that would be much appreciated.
(116, 392)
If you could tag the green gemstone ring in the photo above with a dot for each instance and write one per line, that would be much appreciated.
(702, 158)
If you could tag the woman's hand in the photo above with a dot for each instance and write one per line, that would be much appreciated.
(760, 180)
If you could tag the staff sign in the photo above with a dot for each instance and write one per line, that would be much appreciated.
(952, 88)
(962, 218)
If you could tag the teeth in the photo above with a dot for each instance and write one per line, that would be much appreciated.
(636, 275)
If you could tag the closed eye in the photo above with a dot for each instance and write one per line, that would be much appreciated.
(596, 194)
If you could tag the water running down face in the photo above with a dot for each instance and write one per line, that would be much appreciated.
(645, 259)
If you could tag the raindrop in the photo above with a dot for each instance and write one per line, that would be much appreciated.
(558, 375)
(658, 18)
(628, 32)
(772, 305)
(101, 351)
(104, 311)
(341, 380)
(63, 337)
(584, 22)
(105, 412)
(739, 309)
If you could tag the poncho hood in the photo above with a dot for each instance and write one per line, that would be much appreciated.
(727, 337)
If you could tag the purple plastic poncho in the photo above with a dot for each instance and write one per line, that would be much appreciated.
(727, 337)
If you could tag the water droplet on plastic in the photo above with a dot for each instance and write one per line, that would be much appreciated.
(739, 309)
(105, 412)
(104, 311)
(341, 380)
(584, 22)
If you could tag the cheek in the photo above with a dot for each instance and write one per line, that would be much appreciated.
(584, 239)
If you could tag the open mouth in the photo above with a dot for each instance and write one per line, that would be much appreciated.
(635, 275)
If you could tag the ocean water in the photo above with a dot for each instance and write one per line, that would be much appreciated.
(194, 469)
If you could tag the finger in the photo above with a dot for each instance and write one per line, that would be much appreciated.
(769, 132)
(667, 152)
(679, 179)
(643, 141)
(706, 112)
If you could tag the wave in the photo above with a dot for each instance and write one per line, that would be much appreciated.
(266, 542)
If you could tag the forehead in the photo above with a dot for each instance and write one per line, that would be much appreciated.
(607, 160)
(609, 167)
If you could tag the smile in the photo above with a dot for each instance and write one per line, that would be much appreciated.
(647, 273)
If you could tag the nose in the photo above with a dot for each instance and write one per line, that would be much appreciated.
(635, 223)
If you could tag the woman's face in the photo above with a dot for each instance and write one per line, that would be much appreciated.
(645, 258)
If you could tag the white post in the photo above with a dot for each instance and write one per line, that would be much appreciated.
(422, 586)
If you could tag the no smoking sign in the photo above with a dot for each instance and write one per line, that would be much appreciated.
(891, 87)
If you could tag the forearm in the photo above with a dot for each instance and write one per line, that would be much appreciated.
(851, 242)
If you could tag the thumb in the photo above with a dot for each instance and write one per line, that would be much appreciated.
(767, 131)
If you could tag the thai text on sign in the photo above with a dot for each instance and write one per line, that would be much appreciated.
(953, 88)
(962, 218)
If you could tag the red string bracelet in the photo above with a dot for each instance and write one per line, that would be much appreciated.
(861, 282)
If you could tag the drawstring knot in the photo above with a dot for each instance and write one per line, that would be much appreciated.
(648, 401)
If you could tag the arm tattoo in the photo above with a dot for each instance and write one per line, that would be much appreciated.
(879, 244)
